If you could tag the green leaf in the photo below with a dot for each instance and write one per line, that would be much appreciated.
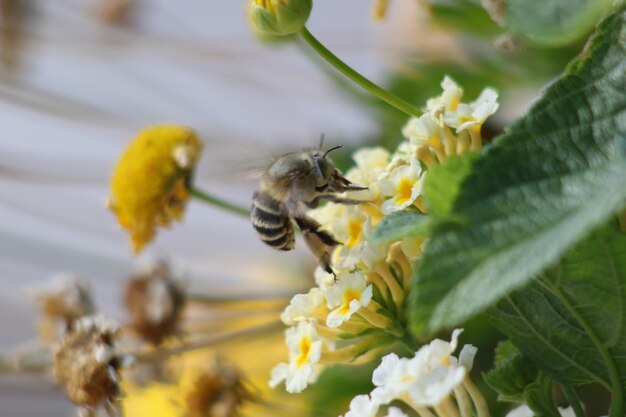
(538, 396)
(555, 175)
(399, 225)
(554, 22)
(443, 182)
(512, 373)
(572, 321)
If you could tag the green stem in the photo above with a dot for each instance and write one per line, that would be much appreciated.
(357, 78)
(572, 399)
(201, 195)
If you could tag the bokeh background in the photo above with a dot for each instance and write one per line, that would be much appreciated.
(79, 78)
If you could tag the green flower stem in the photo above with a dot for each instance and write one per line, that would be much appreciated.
(357, 78)
(572, 399)
(217, 202)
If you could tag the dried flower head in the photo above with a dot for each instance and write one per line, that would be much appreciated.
(86, 362)
(218, 392)
(155, 302)
(151, 182)
(64, 299)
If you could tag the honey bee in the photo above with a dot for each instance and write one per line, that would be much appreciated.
(294, 183)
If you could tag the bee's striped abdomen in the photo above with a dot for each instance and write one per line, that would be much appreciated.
(271, 222)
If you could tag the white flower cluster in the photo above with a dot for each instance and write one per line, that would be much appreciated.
(372, 281)
(430, 379)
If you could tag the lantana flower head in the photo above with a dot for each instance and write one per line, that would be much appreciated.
(150, 184)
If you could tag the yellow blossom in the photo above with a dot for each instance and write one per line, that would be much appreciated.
(150, 184)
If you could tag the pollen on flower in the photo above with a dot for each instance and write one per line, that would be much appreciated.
(150, 183)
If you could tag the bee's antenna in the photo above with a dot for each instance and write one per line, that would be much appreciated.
(332, 149)
(321, 141)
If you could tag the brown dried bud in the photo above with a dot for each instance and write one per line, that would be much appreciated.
(217, 393)
(65, 299)
(86, 362)
(155, 302)
(115, 12)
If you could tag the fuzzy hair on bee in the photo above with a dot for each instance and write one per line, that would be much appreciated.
(291, 185)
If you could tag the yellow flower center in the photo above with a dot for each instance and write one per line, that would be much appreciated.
(268, 5)
(465, 119)
(355, 229)
(305, 349)
(455, 103)
(404, 190)
(348, 296)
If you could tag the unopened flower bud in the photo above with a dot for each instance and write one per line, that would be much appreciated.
(279, 17)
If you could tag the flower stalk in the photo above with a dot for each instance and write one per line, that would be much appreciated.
(218, 202)
(357, 78)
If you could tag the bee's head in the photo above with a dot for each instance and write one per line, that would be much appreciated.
(322, 165)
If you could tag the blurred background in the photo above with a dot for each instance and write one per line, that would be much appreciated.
(79, 78)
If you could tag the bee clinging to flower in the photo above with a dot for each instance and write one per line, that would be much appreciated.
(294, 183)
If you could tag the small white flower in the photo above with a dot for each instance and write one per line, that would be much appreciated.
(525, 411)
(423, 130)
(393, 377)
(323, 279)
(305, 350)
(363, 406)
(403, 186)
(371, 163)
(395, 412)
(304, 307)
(466, 357)
(475, 113)
(346, 297)
(352, 231)
(440, 373)
(448, 100)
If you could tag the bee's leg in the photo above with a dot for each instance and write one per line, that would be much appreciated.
(340, 184)
(335, 199)
(319, 241)
(321, 188)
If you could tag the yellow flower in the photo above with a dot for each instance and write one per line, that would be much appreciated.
(150, 184)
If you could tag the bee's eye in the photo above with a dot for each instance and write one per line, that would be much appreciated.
(321, 166)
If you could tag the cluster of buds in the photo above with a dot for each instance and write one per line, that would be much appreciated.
(432, 383)
(155, 302)
(353, 316)
(87, 363)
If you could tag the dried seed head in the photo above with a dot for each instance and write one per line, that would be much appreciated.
(65, 299)
(155, 302)
(86, 362)
(217, 393)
